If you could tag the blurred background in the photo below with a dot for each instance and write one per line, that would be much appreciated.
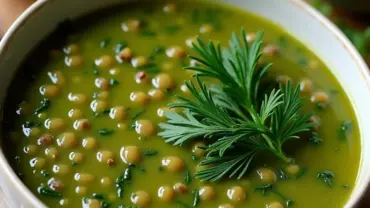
(352, 17)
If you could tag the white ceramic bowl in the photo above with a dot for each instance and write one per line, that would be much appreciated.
(295, 16)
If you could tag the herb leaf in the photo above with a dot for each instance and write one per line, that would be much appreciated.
(315, 139)
(100, 197)
(147, 33)
(105, 131)
(301, 173)
(105, 42)
(326, 176)
(113, 82)
(150, 152)
(187, 177)
(45, 104)
(45, 191)
(181, 204)
(266, 188)
(232, 116)
(137, 114)
(150, 68)
(30, 124)
(196, 198)
(45, 173)
(263, 188)
(121, 180)
(283, 175)
(344, 129)
(120, 46)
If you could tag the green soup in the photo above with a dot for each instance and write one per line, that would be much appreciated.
(82, 131)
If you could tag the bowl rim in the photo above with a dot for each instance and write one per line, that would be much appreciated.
(300, 4)
(4, 44)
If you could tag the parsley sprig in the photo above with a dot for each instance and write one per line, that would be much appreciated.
(230, 115)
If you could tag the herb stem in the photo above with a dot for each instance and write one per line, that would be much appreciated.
(269, 142)
(279, 153)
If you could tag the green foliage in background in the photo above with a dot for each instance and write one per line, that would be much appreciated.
(359, 38)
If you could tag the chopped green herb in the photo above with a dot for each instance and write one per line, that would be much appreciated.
(283, 42)
(151, 68)
(45, 173)
(105, 131)
(45, 104)
(315, 139)
(129, 206)
(45, 191)
(187, 177)
(171, 29)
(97, 114)
(301, 173)
(346, 186)
(265, 188)
(105, 204)
(320, 106)
(283, 175)
(147, 33)
(120, 46)
(121, 180)
(289, 203)
(150, 152)
(180, 204)
(95, 69)
(327, 176)
(138, 114)
(105, 42)
(142, 169)
(195, 158)
(303, 61)
(120, 188)
(158, 50)
(95, 95)
(98, 196)
(113, 82)
(30, 124)
(74, 164)
(127, 175)
(132, 165)
(160, 168)
(196, 199)
(345, 129)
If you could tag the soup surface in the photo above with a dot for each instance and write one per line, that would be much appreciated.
(82, 115)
